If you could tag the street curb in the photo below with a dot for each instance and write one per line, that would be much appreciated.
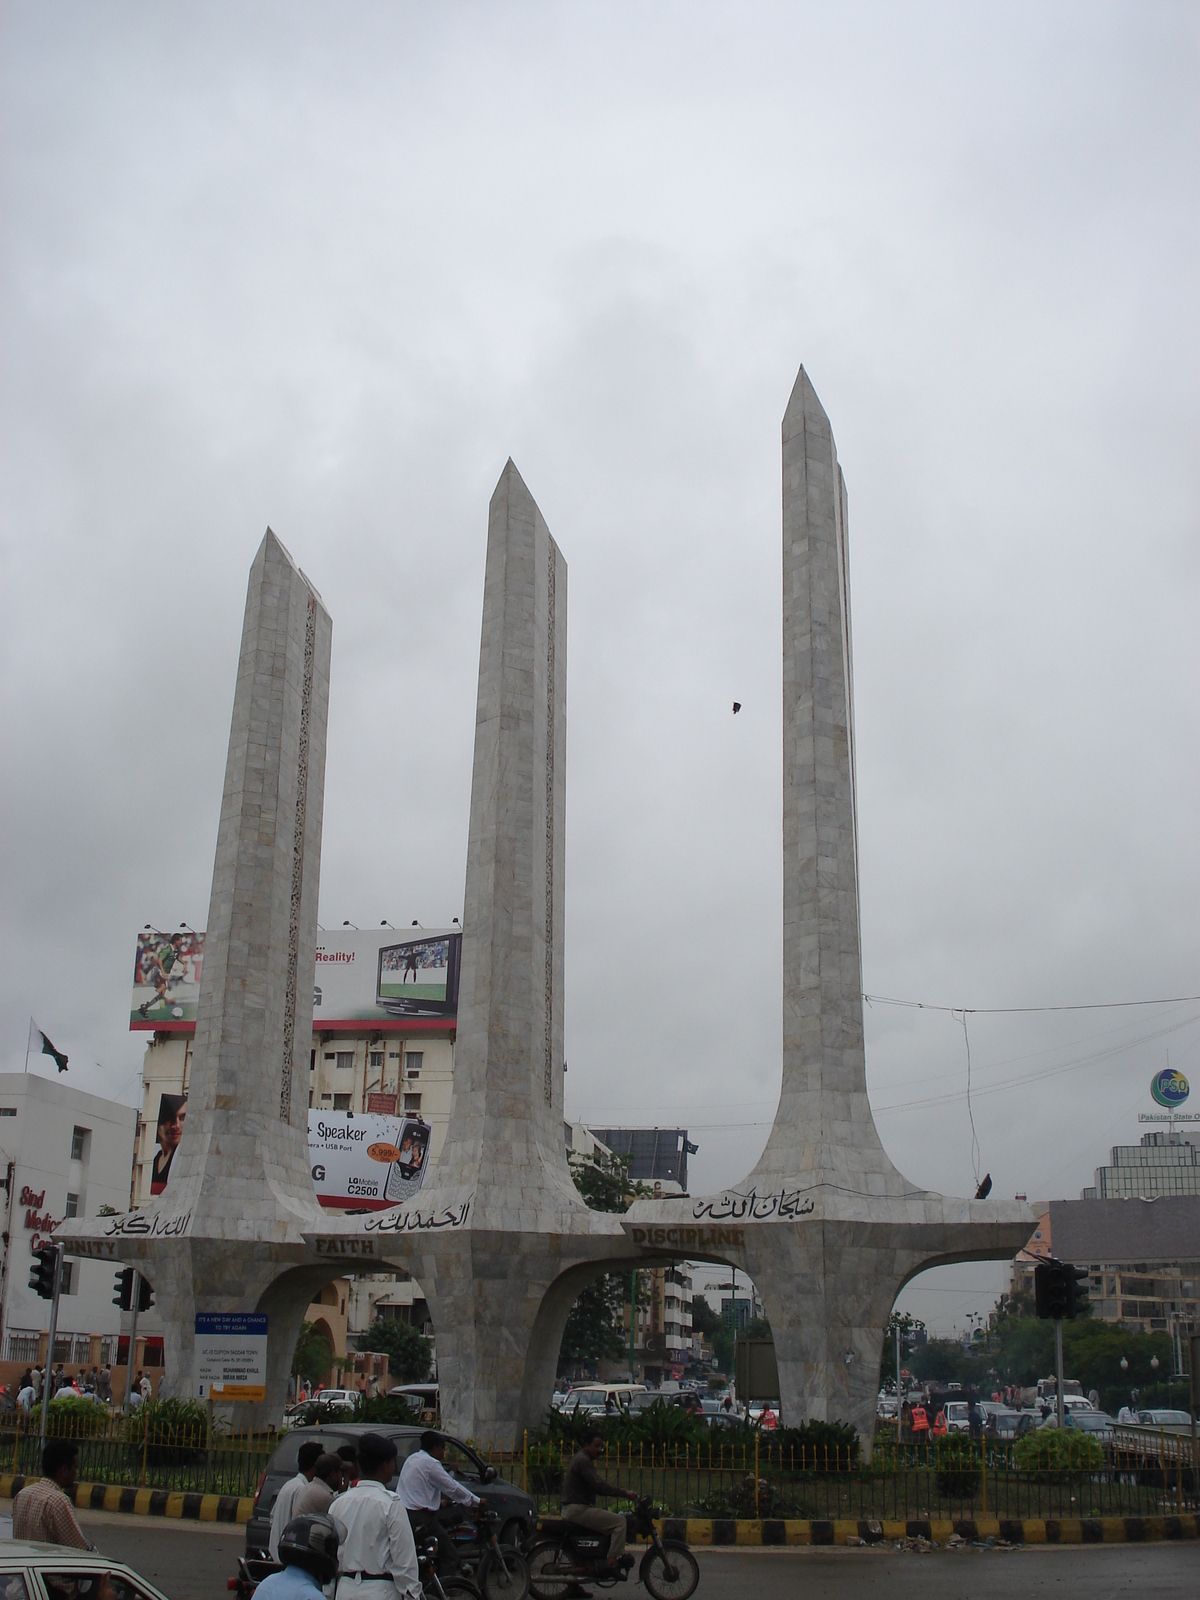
(146, 1502)
(1069, 1530)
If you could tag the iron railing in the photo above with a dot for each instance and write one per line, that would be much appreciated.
(128, 1452)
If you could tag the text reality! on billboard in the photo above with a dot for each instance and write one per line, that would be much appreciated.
(397, 982)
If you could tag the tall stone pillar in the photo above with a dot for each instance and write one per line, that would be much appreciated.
(825, 1224)
(226, 1235)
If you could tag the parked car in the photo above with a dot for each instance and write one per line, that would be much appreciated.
(57, 1572)
(1003, 1422)
(423, 1397)
(512, 1505)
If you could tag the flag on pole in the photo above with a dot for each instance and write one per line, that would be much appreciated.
(39, 1045)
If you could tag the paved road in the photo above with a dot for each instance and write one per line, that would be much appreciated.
(191, 1562)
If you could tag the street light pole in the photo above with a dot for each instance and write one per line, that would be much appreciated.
(1058, 1367)
(48, 1377)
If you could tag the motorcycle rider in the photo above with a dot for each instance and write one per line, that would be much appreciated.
(308, 1548)
(581, 1485)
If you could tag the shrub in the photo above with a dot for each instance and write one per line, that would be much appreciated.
(73, 1417)
(813, 1444)
(1060, 1451)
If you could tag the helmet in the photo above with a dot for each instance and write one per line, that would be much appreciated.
(312, 1543)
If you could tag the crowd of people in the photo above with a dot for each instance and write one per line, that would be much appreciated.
(95, 1385)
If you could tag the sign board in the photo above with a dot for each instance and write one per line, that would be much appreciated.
(398, 980)
(756, 1373)
(1194, 1342)
(366, 1162)
(230, 1357)
(1169, 1088)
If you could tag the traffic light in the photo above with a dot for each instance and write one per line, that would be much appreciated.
(1077, 1290)
(145, 1295)
(124, 1287)
(1050, 1290)
(1059, 1290)
(41, 1274)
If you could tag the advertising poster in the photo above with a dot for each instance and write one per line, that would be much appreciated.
(166, 980)
(366, 1162)
(172, 1113)
(389, 976)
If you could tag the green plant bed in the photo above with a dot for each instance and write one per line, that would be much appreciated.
(1059, 1452)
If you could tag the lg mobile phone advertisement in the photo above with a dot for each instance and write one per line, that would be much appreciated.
(365, 1162)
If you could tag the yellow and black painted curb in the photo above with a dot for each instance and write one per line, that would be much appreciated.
(1069, 1530)
(147, 1502)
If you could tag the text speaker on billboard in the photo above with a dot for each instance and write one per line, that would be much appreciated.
(366, 1162)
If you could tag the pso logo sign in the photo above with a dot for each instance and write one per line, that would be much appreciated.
(1169, 1088)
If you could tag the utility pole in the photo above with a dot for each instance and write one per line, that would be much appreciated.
(135, 1296)
(632, 1322)
(1058, 1368)
(48, 1378)
(899, 1402)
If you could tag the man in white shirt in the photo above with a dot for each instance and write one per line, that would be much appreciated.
(425, 1484)
(377, 1559)
(282, 1511)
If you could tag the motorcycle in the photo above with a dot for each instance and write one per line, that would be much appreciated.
(562, 1555)
(499, 1571)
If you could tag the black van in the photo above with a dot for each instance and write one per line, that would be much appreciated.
(512, 1505)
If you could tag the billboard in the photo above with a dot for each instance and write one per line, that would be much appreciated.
(166, 980)
(366, 1162)
(389, 978)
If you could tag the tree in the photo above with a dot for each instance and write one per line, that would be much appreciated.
(758, 1328)
(595, 1329)
(313, 1355)
(409, 1353)
(712, 1325)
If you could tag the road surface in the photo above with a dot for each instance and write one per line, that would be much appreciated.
(191, 1561)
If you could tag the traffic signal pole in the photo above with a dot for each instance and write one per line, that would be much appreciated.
(48, 1375)
(1058, 1368)
(134, 1298)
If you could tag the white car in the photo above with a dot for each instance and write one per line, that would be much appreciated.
(958, 1416)
(31, 1571)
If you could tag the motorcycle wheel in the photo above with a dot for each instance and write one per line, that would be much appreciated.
(550, 1574)
(672, 1574)
(504, 1581)
(457, 1588)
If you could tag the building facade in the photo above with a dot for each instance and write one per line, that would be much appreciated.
(66, 1154)
(1162, 1164)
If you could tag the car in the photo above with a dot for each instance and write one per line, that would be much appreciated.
(55, 1571)
(1098, 1423)
(1003, 1422)
(886, 1408)
(603, 1399)
(422, 1397)
(1165, 1417)
(958, 1416)
(512, 1505)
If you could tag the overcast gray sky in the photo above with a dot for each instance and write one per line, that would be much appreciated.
(327, 267)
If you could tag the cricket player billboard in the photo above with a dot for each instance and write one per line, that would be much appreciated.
(382, 978)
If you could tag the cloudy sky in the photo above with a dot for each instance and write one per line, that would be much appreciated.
(327, 267)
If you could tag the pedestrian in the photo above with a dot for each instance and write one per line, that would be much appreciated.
(43, 1512)
(36, 1375)
(425, 1486)
(317, 1496)
(377, 1558)
(25, 1395)
(308, 1551)
(349, 1458)
(309, 1453)
(145, 1386)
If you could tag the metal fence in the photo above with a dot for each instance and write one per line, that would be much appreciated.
(125, 1451)
(913, 1483)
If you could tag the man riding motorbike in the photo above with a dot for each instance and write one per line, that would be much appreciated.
(581, 1485)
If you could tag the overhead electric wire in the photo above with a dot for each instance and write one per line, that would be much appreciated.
(1007, 1011)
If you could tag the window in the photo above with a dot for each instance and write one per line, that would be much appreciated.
(376, 1058)
(341, 1102)
(22, 1346)
(345, 1060)
(72, 1205)
(12, 1584)
(393, 1055)
(329, 1056)
(78, 1135)
(413, 1061)
(310, 1097)
(8, 1111)
(312, 1060)
(412, 1102)
(68, 1272)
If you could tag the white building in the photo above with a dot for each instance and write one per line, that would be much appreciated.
(65, 1154)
